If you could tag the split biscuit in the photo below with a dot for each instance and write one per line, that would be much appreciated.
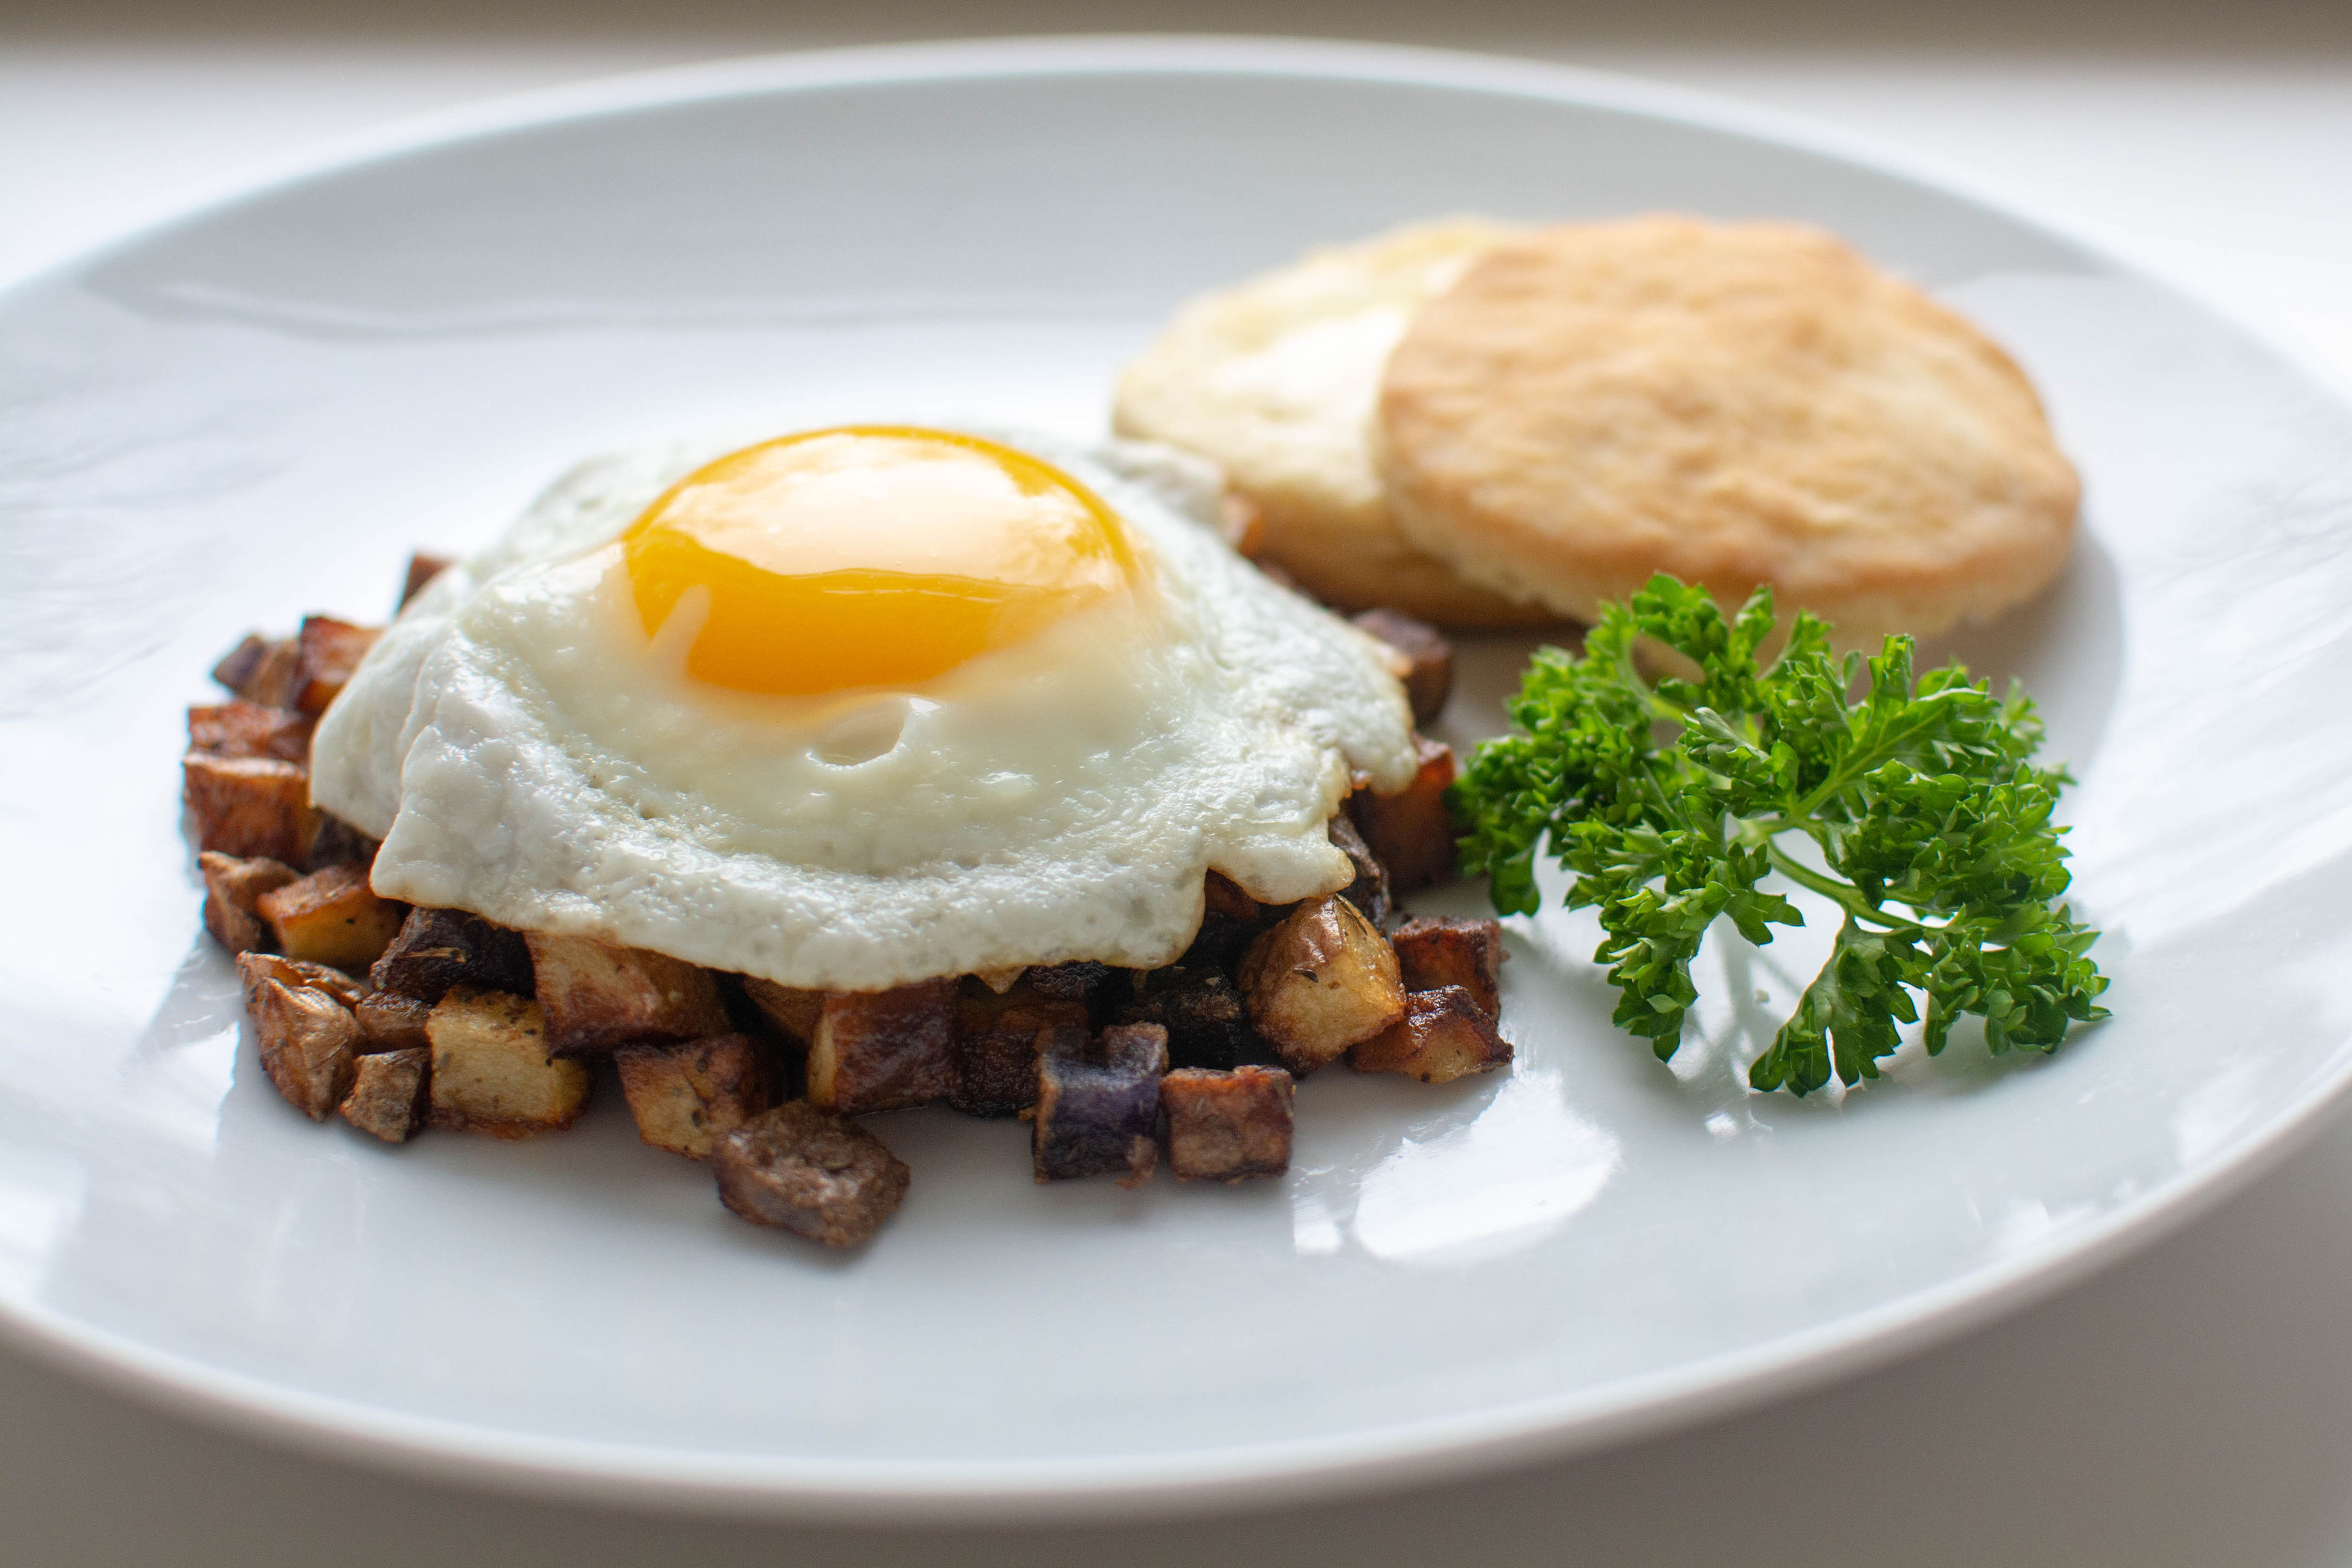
(1275, 380)
(1735, 403)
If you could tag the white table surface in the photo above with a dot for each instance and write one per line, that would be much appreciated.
(2192, 1406)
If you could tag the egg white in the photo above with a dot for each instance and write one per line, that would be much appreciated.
(523, 754)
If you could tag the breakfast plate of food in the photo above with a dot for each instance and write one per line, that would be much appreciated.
(1303, 764)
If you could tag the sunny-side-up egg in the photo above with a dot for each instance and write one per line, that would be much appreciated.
(859, 707)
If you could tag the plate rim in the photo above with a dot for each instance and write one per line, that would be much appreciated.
(1231, 1477)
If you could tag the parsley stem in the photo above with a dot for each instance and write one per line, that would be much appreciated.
(1841, 893)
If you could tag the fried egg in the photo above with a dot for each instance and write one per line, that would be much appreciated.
(862, 706)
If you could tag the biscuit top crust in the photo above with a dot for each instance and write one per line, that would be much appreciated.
(1275, 380)
(1735, 403)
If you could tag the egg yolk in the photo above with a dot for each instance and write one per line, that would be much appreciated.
(870, 555)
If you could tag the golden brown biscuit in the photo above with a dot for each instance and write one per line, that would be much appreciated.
(1735, 403)
(1275, 380)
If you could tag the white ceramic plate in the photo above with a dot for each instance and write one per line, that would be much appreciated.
(257, 409)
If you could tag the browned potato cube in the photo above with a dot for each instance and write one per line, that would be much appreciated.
(599, 995)
(492, 1072)
(1022, 1008)
(232, 888)
(422, 569)
(440, 948)
(389, 1094)
(391, 1022)
(998, 1037)
(1227, 1126)
(238, 664)
(801, 1170)
(249, 806)
(242, 728)
(685, 1096)
(255, 968)
(1199, 1005)
(331, 917)
(1442, 1036)
(262, 670)
(1229, 918)
(882, 1050)
(1411, 831)
(1426, 657)
(306, 1039)
(326, 651)
(790, 1009)
(1370, 890)
(1433, 954)
(337, 843)
(279, 680)
(1098, 1105)
(1223, 895)
(1080, 980)
(996, 1072)
(1319, 982)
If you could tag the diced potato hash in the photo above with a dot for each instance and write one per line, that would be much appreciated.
(307, 1042)
(331, 917)
(1098, 1105)
(809, 1172)
(1443, 1036)
(884, 1050)
(1319, 982)
(232, 890)
(599, 995)
(1427, 659)
(491, 1071)
(1411, 831)
(1432, 953)
(389, 1094)
(460, 1023)
(685, 1096)
(250, 806)
(326, 651)
(1227, 1126)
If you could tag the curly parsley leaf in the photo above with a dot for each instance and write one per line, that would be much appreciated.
(1670, 800)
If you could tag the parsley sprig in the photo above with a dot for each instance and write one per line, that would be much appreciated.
(1672, 800)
